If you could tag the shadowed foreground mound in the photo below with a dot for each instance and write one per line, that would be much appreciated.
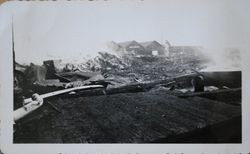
(132, 118)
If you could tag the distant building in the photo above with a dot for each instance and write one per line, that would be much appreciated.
(131, 48)
(150, 48)
(154, 48)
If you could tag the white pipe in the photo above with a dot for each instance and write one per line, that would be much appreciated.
(31, 104)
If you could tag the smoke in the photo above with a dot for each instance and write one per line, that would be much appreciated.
(222, 59)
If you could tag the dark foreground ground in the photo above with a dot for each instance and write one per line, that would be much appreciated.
(142, 117)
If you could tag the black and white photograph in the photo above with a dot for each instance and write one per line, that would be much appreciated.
(124, 72)
(138, 73)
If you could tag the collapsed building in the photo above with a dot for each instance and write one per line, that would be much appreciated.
(151, 100)
(137, 111)
(192, 108)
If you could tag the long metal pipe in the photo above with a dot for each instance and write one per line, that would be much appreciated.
(32, 105)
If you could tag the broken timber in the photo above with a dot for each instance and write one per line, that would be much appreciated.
(31, 106)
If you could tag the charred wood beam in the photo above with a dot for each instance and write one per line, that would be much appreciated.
(131, 88)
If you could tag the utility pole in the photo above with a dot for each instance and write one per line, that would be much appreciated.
(13, 45)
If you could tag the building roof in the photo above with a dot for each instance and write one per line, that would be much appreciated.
(125, 44)
(145, 44)
(185, 46)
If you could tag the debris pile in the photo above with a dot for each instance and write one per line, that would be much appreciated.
(112, 99)
(104, 62)
(120, 69)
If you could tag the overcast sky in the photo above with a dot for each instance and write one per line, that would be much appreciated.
(53, 30)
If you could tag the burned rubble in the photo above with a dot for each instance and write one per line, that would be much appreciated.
(142, 99)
